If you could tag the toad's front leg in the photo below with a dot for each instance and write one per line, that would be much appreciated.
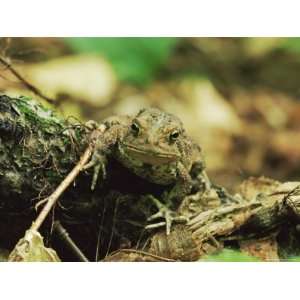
(98, 162)
(164, 212)
(169, 200)
(104, 143)
(199, 177)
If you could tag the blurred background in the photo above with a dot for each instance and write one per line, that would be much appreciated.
(238, 97)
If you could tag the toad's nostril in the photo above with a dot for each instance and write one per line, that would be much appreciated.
(150, 140)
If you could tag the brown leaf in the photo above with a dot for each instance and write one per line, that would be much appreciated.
(31, 248)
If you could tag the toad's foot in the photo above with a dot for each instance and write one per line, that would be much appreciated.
(98, 162)
(164, 212)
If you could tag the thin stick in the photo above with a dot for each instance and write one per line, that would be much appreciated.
(51, 200)
(26, 83)
(64, 236)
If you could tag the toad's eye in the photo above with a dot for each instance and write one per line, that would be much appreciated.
(174, 135)
(135, 128)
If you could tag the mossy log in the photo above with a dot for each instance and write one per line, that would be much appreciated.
(37, 150)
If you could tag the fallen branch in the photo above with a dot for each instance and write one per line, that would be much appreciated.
(266, 208)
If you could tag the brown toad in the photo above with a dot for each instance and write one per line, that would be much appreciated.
(154, 146)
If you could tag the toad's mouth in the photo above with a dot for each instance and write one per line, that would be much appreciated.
(149, 156)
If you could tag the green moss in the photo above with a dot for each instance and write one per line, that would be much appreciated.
(37, 148)
(38, 115)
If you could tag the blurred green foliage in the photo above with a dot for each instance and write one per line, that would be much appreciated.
(294, 259)
(290, 44)
(229, 255)
(135, 60)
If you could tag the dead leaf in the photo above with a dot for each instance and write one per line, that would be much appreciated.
(31, 248)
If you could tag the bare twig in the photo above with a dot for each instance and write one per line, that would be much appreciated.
(26, 83)
(51, 200)
(64, 236)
